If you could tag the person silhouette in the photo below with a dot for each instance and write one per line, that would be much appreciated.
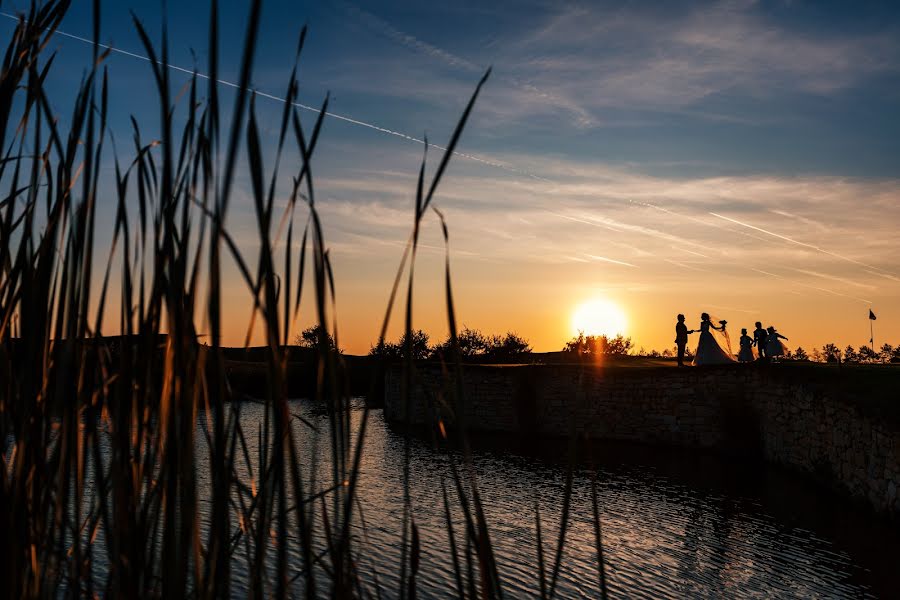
(681, 338)
(774, 347)
(759, 340)
(709, 350)
(746, 352)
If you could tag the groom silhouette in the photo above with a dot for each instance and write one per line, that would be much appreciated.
(681, 338)
(759, 340)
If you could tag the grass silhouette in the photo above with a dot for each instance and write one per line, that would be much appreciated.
(101, 447)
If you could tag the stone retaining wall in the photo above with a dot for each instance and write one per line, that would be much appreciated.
(743, 410)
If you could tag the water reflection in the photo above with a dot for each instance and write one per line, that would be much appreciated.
(675, 523)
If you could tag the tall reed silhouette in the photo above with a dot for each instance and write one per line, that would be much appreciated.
(101, 442)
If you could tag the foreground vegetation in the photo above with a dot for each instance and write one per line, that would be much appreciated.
(101, 446)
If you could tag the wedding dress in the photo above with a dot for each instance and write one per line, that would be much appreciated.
(746, 354)
(709, 352)
(774, 347)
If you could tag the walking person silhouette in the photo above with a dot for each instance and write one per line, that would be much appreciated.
(681, 338)
(746, 352)
(774, 347)
(759, 340)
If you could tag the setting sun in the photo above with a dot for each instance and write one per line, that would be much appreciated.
(599, 317)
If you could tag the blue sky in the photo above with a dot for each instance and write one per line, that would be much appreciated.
(739, 156)
(732, 87)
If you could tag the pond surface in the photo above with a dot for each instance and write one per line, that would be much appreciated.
(675, 523)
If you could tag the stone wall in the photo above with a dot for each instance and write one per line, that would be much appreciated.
(754, 411)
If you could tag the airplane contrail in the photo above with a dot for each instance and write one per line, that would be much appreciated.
(799, 243)
(614, 225)
(833, 293)
(306, 107)
(836, 278)
(767, 273)
(694, 219)
(888, 275)
(812, 287)
(410, 41)
(610, 260)
(689, 251)
(684, 265)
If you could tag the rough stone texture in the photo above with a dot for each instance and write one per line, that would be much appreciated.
(747, 411)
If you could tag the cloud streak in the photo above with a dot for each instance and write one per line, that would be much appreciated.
(670, 59)
(540, 94)
(344, 118)
(610, 260)
(799, 243)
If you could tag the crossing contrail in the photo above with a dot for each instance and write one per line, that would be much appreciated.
(610, 260)
(812, 287)
(410, 41)
(835, 278)
(685, 265)
(306, 107)
(799, 243)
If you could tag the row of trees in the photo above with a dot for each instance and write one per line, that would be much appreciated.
(592, 345)
(865, 354)
(472, 343)
(828, 353)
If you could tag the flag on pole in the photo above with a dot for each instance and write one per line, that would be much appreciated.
(871, 315)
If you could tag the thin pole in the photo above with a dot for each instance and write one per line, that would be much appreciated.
(872, 334)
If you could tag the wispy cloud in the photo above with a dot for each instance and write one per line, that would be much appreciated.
(525, 89)
(685, 265)
(668, 224)
(587, 63)
(674, 58)
(843, 280)
(799, 243)
(410, 41)
(368, 124)
(610, 260)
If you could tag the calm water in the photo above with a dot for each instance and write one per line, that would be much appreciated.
(675, 523)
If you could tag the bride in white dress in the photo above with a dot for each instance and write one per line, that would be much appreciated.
(712, 351)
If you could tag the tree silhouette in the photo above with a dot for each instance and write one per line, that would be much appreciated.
(474, 343)
(582, 344)
(591, 345)
(831, 353)
(895, 354)
(309, 338)
(471, 343)
(850, 355)
(393, 351)
(508, 346)
(800, 354)
(866, 354)
(619, 345)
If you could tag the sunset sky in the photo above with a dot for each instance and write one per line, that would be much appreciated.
(740, 158)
